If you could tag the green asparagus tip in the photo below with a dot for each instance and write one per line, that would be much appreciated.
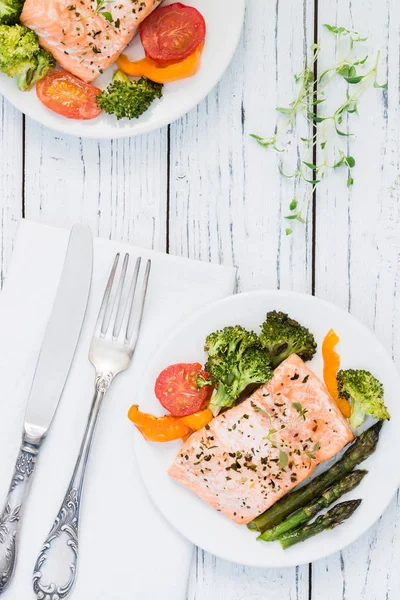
(329, 520)
(377, 427)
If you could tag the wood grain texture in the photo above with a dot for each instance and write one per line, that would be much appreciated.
(227, 197)
(119, 188)
(216, 579)
(357, 267)
(223, 201)
(11, 164)
(227, 201)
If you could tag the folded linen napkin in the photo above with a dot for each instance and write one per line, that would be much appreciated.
(127, 550)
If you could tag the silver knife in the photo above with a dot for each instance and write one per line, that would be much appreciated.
(51, 373)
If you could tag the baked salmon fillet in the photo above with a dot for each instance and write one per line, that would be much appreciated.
(78, 34)
(252, 455)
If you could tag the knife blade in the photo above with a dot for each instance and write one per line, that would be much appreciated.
(62, 333)
(53, 365)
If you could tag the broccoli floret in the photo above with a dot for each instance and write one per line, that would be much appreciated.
(282, 336)
(229, 340)
(45, 62)
(365, 394)
(254, 367)
(34, 70)
(225, 348)
(126, 98)
(235, 361)
(10, 11)
(220, 399)
(202, 381)
(22, 57)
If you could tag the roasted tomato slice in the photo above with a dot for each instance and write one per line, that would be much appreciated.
(67, 95)
(176, 389)
(172, 33)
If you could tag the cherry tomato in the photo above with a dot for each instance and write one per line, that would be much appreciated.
(67, 95)
(172, 33)
(176, 389)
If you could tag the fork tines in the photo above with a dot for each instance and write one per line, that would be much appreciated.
(119, 307)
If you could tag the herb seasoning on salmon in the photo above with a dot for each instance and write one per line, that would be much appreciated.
(86, 36)
(252, 455)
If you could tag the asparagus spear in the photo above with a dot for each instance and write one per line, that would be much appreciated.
(303, 515)
(363, 446)
(329, 520)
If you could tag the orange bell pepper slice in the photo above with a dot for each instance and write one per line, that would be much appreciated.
(331, 367)
(158, 429)
(162, 74)
(198, 420)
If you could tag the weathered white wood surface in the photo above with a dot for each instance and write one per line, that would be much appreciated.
(119, 188)
(202, 188)
(11, 179)
(357, 267)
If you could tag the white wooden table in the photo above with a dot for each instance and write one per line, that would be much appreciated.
(202, 188)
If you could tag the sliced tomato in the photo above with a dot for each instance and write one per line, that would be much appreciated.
(176, 389)
(67, 95)
(172, 33)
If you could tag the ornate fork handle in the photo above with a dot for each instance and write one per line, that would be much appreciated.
(55, 569)
(10, 518)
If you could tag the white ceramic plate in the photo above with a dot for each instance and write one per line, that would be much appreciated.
(202, 524)
(224, 20)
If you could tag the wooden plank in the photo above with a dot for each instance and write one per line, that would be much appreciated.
(357, 266)
(119, 188)
(227, 200)
(227, 196)
(215, 579)
(11, 147)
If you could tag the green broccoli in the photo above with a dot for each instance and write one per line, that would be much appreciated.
(230, 340)
(202, 381)
(126, 98)
(282, 336)
(254, 367)
(10, 11)
(22, 57)
(235, 361)
(365, 394)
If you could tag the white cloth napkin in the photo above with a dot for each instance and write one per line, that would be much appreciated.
(127, 550)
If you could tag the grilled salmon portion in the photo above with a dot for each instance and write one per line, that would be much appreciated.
(86, 36)
(250, 456)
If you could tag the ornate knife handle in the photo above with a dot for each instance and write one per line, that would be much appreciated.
(55, 569)
(10, 518)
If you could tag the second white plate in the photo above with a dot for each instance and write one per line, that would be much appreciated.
(224, 21)
(209, 529)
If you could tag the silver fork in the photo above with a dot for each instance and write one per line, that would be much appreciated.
(113, 344)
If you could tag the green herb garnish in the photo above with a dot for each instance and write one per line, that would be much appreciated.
(316, 447)
(283, 459)
(302, 411)
(328, 128)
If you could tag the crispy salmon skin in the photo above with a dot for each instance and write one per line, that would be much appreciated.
(86, 36)
(250, 456)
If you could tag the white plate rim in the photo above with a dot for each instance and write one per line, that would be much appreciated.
(138, 439)
(138, 128)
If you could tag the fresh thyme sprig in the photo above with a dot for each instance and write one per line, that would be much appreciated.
(311, 95)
